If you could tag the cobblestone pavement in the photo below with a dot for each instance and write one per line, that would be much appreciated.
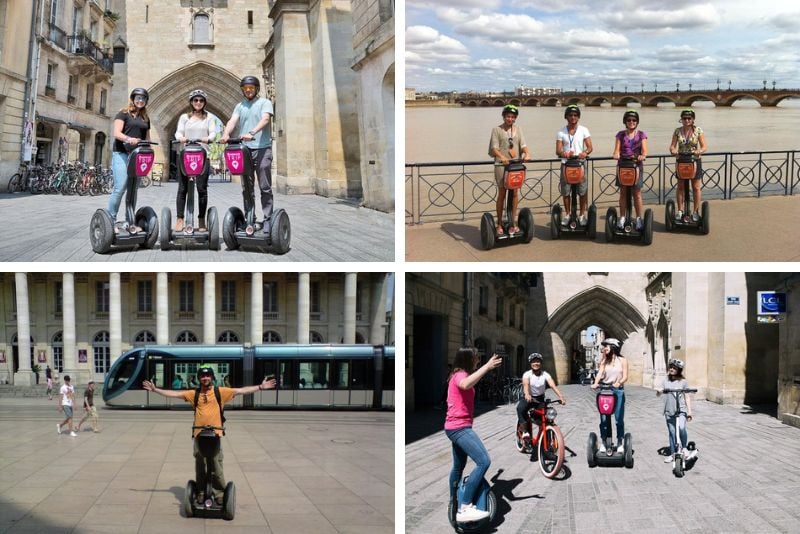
(747, 477)
(320, 472)
(56, 228)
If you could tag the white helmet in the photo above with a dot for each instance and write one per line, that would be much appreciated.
(612, 342)
(676, 363)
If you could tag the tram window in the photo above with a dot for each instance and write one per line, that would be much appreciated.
(124, 373)
(341, 374)
(388, 375)
(361, 375)
(315, 374)
(266, 369)
(286, 380)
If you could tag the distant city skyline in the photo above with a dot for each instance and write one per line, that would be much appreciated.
(498, 45)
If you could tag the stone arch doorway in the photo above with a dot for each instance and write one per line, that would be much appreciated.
(169, 98)
(595, 306)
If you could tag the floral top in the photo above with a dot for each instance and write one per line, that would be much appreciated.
(690, 144)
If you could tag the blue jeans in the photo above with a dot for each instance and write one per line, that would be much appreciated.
(680, 420)
(619, 416)
(467, 443)
(119, 166)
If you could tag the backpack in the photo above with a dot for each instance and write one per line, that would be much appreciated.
(219, 403)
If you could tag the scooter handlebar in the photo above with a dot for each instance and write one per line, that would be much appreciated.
(683, 390)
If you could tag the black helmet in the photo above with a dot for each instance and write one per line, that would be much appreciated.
(205, 369)
(572, 108)
(510, 108)
(535, 356)
(630, 113)
(140, 91)
(198, 92)
(250, 80)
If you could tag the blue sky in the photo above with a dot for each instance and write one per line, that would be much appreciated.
(501, 44)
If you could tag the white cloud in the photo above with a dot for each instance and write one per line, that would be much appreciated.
(694, 17)
(426, 44)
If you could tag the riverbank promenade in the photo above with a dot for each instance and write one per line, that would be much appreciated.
(56, 228)
(746, 478)
(320, 472)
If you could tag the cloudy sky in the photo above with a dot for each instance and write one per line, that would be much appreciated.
(501, 44)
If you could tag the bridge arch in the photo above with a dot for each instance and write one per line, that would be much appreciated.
(628, 99)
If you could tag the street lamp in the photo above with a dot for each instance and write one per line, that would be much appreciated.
(717, 84)
(773, 85)
(678, 87)
(765, 85)
(729, 85)
(584, 89)
(656, 87)
(643, 87)
(690, 88)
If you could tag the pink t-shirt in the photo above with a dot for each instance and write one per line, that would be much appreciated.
(460, 403)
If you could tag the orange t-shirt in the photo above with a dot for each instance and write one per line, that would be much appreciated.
(207, 412)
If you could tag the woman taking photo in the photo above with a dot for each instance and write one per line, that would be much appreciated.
(458, 428)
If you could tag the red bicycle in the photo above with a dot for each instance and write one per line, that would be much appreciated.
(549, 442)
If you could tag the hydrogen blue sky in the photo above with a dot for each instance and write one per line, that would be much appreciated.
(501, 44)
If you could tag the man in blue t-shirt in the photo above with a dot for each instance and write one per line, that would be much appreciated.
(253, 115)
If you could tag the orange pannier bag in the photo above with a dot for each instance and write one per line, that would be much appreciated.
(686, 167)
(573, 171)
(514, 176)
(628, 172)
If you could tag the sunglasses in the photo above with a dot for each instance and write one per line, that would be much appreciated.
(139, 99)
(631, 120)
(510, 142)
(687, 118)
(199, 100)
(248, 88)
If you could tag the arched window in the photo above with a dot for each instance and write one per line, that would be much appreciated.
(186, 337)
(316, 337)
(271, 336)
(58, 351)
(228, 336)
(144, 337)
(101, 349)
(201, 28)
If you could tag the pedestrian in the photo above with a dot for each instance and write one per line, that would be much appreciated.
(689, 139)
(208, 402)
(200, 125)
(48, 373)
(677, 409)
(631, 143)
(506, 142)
(458, 428)
(178, 383)
(535, 382)
(614, 371)
(131, 125)
(252, 115)
(67, 398)
(573, 141)
(89, 407)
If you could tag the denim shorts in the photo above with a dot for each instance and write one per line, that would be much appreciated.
(67, 411)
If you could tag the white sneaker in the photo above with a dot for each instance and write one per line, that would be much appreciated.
(73, 434)
(668, 459)
(621, 223)
(695, 216)
(564, 220)
(692, 455)
(469, 513)
(602, 448)
(639, 224)
(621, 447)
(583, 220)
(526, 435)
(58, 428)
(679, 215)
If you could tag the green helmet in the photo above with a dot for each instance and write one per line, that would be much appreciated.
(510, 108)
(572, 108)
(687, 112)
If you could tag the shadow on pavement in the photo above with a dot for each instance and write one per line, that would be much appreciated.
(504, 492)
(425, 422)
(766, 409)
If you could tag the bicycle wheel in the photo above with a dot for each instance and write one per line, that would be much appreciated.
(14, 182)
(551, 457)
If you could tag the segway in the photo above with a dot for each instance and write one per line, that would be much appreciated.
(606, 401)
(686, 170)
(194, 163)
(241, 229)
(208, 444)
(485, 500)
(514, 178)
(574, 175)
(140, 227)
(628, 176)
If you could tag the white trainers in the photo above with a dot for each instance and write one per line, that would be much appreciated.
(621, 447)
(621, 223)
(639, 224)
(668, 459)
(58, 428)
(565, 220)
(73, 434)
(602, 448)
(469, 513)
(526, 435)
(695, 216)
(679, 215)
(692, 455)
(583, 220)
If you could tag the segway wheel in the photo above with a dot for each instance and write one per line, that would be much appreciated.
(705, 222)
(487, 231)
(526, 224)
(212, 220)
(165, 233)
(188, 498)
(647, 230)
(591, 449)
(233, 221)
(611, 222)
(628, 450)
(555, 222)
(229, 502)
(669, 215)
(591, 229)
(147, 220)
(101, 231)
(281, 232)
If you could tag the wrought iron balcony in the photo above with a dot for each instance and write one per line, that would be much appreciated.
(81, 45)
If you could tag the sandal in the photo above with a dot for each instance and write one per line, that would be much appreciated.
(500, 231)
(513, 230)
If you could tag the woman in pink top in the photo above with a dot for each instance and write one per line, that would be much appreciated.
(458, 428)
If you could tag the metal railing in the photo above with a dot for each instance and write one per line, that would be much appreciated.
(464, 190)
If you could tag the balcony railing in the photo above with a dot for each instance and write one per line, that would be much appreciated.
(271, 316)
(83, 46)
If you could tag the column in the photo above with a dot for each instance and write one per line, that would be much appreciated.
(303, 307)
(162, 309)
(350, 285)
(209, 309)
(257, 308)
(114, 316)
(68, 313)
(24, 375)
(377, 310)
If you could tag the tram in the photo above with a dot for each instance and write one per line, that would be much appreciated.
(309, 376)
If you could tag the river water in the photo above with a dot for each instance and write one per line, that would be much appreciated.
(455, 134)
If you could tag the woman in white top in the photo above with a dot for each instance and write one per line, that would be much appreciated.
(198, 125)
(534, 383)
(613, 370)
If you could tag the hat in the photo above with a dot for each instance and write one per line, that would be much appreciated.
(613, 342)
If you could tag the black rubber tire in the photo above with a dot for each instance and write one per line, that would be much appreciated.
(101, 231)
(705, 221)
(669, 215)
(555, 222)
(551, 468)
(526, 224)
(281, 232)
(147, 220)
(229, 502)
(13, 183)
(591, 230)
(628, 450)
(212, 220)
(188, 498)
(611, 222)
(166, 228)
(591, 449)
(233, 221)
(487, 231)
(647, 230)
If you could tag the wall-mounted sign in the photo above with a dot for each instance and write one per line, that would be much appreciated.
(732, 301)
(771, 303)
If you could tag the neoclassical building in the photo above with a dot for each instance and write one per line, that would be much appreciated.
(79, 323)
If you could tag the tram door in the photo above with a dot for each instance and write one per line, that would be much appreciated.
(156, 374)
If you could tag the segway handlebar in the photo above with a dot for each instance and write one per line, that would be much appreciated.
(208, 427)
(145, 142)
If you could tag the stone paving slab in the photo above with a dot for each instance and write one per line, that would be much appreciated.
(56, 228)
(746, 479)
(307, 471)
